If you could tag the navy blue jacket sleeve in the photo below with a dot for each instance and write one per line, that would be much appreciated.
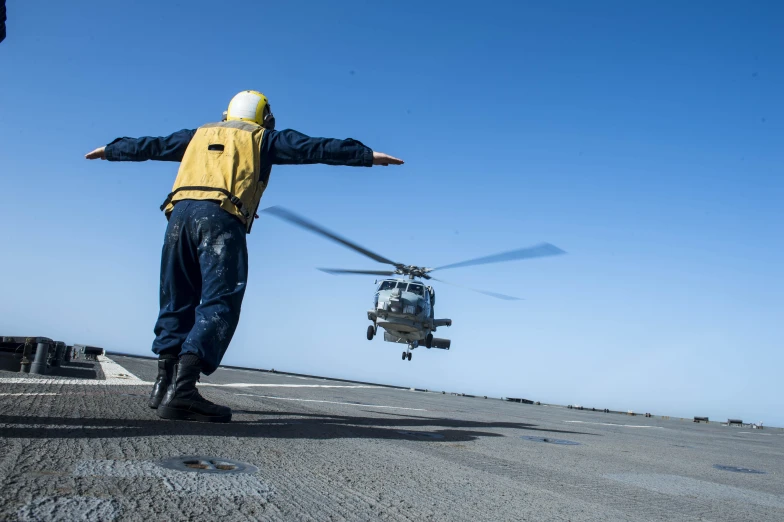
(163, 148)
(289, 147)
(2, 20)
(286, 147)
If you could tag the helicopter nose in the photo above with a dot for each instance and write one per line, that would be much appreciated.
(395, 301)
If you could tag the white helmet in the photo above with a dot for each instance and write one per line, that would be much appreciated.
(250, 106)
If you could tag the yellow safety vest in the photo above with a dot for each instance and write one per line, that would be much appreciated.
(222, 162)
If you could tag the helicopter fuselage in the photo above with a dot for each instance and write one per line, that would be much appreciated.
(404, 309)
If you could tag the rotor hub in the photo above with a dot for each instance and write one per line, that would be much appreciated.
(412, 271)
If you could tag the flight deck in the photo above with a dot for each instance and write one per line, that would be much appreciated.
(87, 447)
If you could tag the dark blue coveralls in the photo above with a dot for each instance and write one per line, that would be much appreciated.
(204, 262)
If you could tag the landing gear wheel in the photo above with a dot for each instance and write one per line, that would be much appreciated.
(409, 356)
(429, 341)
(371, 332)
(404, 356)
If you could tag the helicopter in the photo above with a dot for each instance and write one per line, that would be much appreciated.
(403, 306)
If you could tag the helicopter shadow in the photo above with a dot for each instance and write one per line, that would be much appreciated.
(271, 425)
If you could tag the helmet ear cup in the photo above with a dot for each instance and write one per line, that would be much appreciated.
(269, 119)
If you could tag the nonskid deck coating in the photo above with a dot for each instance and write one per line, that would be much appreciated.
(77, 450)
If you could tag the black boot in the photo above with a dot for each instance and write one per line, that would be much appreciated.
(165, 372)
(183, 402)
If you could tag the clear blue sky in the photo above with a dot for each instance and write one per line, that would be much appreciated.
(645, 140)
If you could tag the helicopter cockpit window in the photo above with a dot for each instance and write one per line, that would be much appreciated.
(387, 285)
(416, 289)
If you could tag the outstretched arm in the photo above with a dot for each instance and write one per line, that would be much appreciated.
(289, 147)
(163, 148)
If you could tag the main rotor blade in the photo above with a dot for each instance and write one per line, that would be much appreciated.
(338, 271)
(289, 216)
(491, 294)
(540, 250)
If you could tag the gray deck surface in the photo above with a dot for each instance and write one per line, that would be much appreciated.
(89, 450)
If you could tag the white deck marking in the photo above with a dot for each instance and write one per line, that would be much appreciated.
(259, 385)
(33, 394)
(328, 402)
(82, 382)
(134, 381)
(621, 425)
(116, 374)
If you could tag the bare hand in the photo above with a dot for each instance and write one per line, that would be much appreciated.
(98, 153)
(379, 158)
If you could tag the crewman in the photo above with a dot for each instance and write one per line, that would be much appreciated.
(224, 170)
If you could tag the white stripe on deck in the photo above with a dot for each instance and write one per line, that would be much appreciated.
(259, 385)
(328, 402)
(115, 374)
(139, 382)
(26, 394)
(82, 382)
(621, 425)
